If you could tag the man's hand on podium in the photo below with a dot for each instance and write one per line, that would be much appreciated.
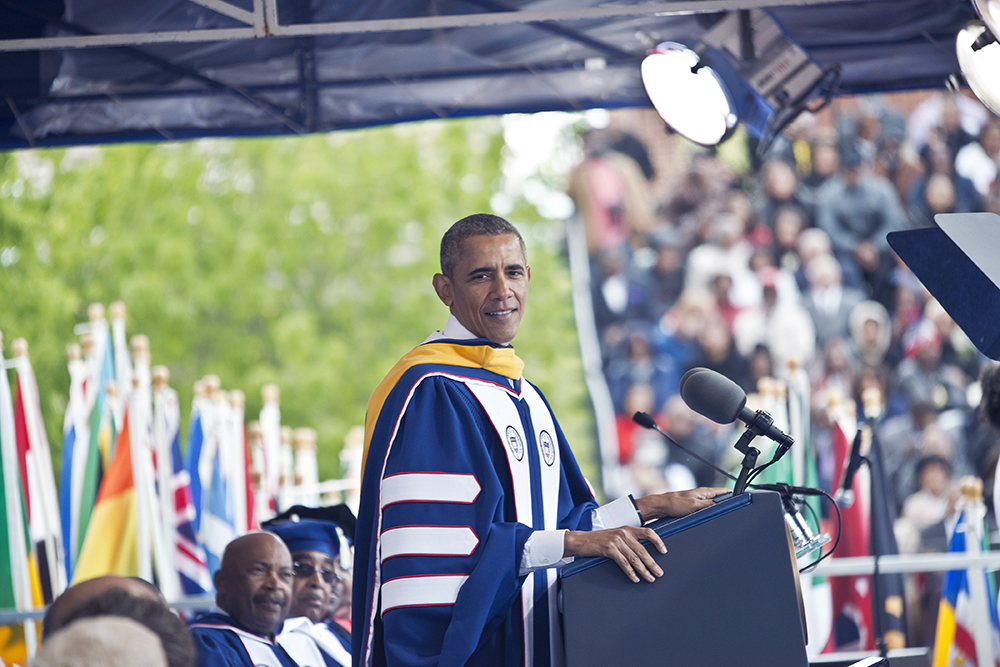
(677, 503)
(620, 545)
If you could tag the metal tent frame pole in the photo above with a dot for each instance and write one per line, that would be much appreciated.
(263, 22)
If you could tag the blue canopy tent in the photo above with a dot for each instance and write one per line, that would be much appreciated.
(86, 71)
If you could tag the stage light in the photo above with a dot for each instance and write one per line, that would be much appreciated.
(744, 69)
(989, 12)
(689, 95)
(979, 57)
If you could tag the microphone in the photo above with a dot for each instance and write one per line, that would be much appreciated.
(845, 494)
(645, 421)
(715, 396)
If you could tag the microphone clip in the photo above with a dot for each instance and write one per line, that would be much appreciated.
(762, 424)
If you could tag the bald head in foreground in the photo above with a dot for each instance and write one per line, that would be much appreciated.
(77, 594)
(114, 597)
(103, 641)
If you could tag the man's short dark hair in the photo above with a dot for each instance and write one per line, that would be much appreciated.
(62, 607)
(173, 633)
(477, 224)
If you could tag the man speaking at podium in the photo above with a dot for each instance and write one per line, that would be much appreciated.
(471, 496)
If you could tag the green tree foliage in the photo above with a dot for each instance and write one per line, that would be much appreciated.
(303, 261)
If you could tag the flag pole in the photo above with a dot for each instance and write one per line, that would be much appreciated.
(270, 431)
(256, 446)
(306, 467)
(287, 469)
(238, 457)
(76, 439)
(972, 493)
(140, 485)
(19, 547)
(44, 504)
(119, 345)
(164, 474)
(154, 518)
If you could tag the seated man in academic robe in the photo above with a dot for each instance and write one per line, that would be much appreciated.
(253, 588)
(315, 546)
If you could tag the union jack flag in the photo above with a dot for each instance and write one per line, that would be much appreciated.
(188, 554)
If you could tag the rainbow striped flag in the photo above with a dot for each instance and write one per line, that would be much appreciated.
(88, 432)
(111, 543)
(188, 554)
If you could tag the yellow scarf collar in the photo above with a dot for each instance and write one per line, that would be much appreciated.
(500, 360)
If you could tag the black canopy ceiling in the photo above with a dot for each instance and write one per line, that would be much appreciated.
(84, 71)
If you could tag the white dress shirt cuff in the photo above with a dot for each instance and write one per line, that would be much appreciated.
(619, 512)
(543, 549)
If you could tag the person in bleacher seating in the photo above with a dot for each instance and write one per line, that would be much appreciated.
(828, 301)
(857, 209)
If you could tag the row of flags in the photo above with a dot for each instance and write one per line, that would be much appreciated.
(128, 502)
(20, 579)
(841, 610)
(968, 630)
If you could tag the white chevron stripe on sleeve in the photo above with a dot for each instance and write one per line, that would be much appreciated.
(428, 541)
(429, 488)
(422, 591)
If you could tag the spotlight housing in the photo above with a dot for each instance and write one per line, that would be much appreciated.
(744, 69)
(688, 94)
(979, 58)
(989, 12)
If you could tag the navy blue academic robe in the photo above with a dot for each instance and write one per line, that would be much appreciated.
(464, 461)
(220, 642)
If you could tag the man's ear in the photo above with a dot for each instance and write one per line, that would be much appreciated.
(220, 583)
(443, 287)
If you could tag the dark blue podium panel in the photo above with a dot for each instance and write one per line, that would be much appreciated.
(729, 596)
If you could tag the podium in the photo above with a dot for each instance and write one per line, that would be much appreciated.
(729, 595)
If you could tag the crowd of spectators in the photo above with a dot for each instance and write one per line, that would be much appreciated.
(787, 264)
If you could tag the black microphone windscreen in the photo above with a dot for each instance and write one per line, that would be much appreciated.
(644, 420)
(713, 395)
(687, 376)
